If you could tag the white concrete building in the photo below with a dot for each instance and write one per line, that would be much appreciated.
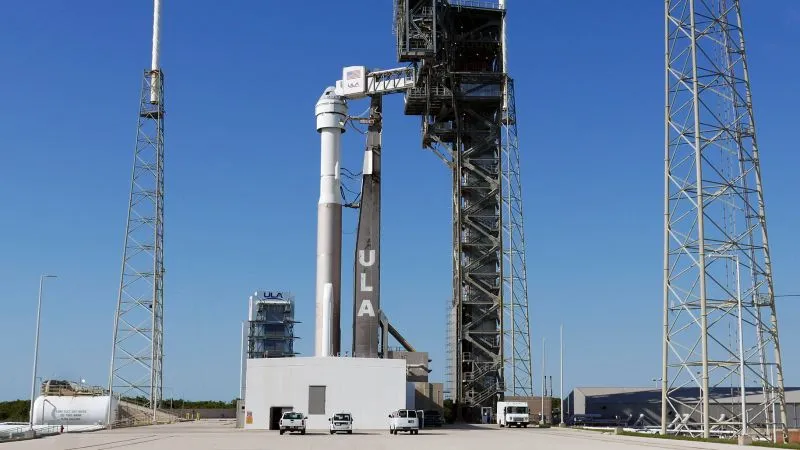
(368, 388)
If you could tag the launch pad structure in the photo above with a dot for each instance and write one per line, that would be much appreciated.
(457, 82)
(720, 320)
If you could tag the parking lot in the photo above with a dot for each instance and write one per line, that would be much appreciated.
(221, 435)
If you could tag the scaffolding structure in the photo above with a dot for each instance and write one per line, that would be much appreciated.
(270, 325)
(450, 344)
(720, 321)
(463, 95)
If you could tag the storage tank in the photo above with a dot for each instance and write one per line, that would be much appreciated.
(73, 410)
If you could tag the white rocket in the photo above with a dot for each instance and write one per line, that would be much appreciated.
(331, 111)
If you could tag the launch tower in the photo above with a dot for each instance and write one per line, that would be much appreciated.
(465, 98)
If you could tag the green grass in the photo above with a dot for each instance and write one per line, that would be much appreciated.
(771, 445)
(713, 440)
(681, 438)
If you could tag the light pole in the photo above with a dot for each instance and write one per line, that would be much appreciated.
(36, 344)
(171, 398)
(544, 378)
(561, 376)
(243, 362)
(742, 393)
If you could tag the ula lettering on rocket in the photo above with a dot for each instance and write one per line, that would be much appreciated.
(366, 308)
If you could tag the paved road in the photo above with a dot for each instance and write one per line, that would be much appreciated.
(221, 435)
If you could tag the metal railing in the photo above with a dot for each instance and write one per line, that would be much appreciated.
(7, 434)
(25, 432)
(69, 392)
(483, 4)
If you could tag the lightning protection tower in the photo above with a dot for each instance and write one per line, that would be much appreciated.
(137, 355)
(722, 362)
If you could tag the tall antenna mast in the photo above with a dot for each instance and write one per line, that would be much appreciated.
(138, 346)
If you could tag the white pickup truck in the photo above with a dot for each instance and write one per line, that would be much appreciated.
(341, 422)
(293, 421)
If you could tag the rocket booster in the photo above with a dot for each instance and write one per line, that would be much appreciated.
(366, 289)
(331, 112)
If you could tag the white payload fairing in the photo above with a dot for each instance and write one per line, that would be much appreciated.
(331, 111)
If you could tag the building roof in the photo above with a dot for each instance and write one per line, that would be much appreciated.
(721, 394)
(592, 391)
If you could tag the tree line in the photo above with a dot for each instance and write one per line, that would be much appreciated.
(15, 411)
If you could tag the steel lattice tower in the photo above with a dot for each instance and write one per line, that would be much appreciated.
(720, 324)
(517, 352)
(138, 343)
(466, 102)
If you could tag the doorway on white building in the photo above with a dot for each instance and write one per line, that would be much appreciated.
(486, 414)
(275, 414)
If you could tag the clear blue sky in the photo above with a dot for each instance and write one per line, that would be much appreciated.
(242, 177)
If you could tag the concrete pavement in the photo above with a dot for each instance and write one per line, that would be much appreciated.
(221, 435)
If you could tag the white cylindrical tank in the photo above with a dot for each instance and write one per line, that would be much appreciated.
(331, 111)
(73, 410)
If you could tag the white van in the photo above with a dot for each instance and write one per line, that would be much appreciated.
(513, 414)
(341, 422)
(404, 420)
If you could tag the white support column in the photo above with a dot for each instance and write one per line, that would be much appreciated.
(154, 67)
(503, 43)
